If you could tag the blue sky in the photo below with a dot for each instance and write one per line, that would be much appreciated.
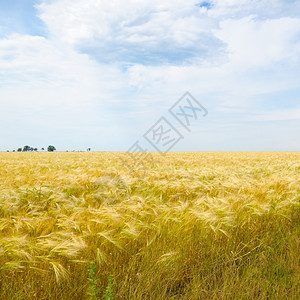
(99, 74)
(20, 16)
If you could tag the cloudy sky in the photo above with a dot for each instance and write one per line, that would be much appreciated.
(100, 74)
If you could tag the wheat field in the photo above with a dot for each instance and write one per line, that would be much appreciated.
(214, 225)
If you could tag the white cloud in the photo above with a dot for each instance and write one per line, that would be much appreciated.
(36, 63)
(278, 115)
(147, 32)
(262, 9)
(255, 43)
(78, 21)
(117, 66)
(49, 87)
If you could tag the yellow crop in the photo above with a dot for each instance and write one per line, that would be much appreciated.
(193, 226)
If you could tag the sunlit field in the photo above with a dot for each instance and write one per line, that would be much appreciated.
(192, 226)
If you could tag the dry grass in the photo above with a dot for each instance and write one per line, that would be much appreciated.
(197, 226)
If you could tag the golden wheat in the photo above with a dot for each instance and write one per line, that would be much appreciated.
(194, 226)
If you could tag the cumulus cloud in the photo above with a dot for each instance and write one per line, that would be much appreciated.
(255, 43)
(115, 66)
(148, 32)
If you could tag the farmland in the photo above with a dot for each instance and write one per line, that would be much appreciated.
(211, 225)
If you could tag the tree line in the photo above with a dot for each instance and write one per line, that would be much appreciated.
(50, 148)
(27, 148)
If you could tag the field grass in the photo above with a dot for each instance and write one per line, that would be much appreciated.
(194, 226)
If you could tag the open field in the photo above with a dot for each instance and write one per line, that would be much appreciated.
(195, 226)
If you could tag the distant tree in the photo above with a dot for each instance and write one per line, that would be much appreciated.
(19, 149)
(35, 149)
(42, 149)
(26, 148)
(14, 150)
(88, 149)
(51, 148)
